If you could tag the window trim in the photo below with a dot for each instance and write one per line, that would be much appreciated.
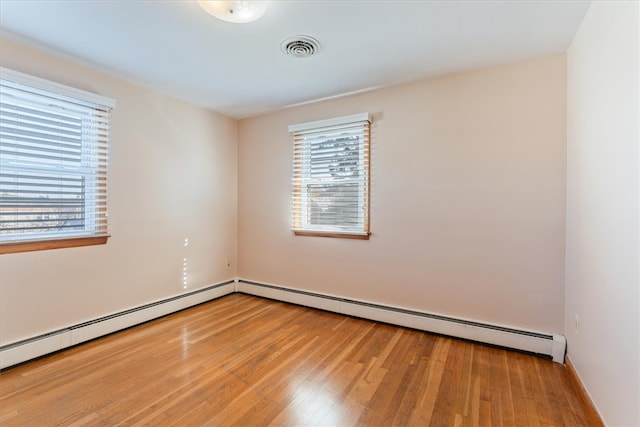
(348, 235)
(365, 163)
(17, 246)
(68, 94)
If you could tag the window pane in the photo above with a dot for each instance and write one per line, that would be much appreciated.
(37, 203)
(333, 204)
(335, 158)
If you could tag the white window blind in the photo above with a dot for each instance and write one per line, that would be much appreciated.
(53, 160)
(331, 177)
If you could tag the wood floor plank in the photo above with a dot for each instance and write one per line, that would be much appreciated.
(247, 361)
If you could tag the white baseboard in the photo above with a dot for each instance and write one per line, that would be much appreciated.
(18, 352)
(535, 342)
(548, 344)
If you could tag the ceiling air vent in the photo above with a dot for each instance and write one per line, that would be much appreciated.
(300, 46)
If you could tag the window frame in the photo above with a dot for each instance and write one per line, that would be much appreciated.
(302, 176)
(95, 233)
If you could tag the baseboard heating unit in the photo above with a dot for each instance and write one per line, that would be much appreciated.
(552, 345)
(21, 351)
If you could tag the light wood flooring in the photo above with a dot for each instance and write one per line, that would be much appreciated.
(247, 361)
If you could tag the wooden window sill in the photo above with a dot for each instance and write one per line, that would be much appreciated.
(41, 245)
(330, 234)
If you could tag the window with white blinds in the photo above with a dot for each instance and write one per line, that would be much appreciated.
(53, 160)
(331, 177)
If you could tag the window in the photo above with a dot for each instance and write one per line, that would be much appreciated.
(53, 164)
(331, 177)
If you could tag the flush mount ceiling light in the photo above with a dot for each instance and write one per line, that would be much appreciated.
(238, 12)
(300, 46)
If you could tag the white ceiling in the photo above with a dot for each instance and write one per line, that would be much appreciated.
(239, 70)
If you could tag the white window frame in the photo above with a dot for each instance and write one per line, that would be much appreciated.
(303, 134)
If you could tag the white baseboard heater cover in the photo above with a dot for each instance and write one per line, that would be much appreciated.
(21, 351)
(540, 343)
(552, 345)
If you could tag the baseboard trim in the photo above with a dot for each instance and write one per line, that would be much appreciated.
(31, 348)
(552, 345)
(546, 344)
(594, 416)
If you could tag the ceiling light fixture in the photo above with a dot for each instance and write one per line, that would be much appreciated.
(238, 12)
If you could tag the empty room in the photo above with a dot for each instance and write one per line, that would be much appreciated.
(320, 213)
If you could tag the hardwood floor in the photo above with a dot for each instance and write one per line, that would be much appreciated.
(246, 361)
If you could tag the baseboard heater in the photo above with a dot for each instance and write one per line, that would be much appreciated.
(550, 345)
(21, 351)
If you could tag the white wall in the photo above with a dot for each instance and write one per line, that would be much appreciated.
(468, 198)
(173, 176)
(602, 279)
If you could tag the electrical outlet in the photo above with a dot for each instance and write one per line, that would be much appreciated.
(228, 264)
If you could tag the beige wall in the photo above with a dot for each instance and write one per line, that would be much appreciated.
(468, 204)
(468, 198)
(173, 176)
(602, 279)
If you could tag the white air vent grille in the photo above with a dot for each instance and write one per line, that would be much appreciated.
(300, 46)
